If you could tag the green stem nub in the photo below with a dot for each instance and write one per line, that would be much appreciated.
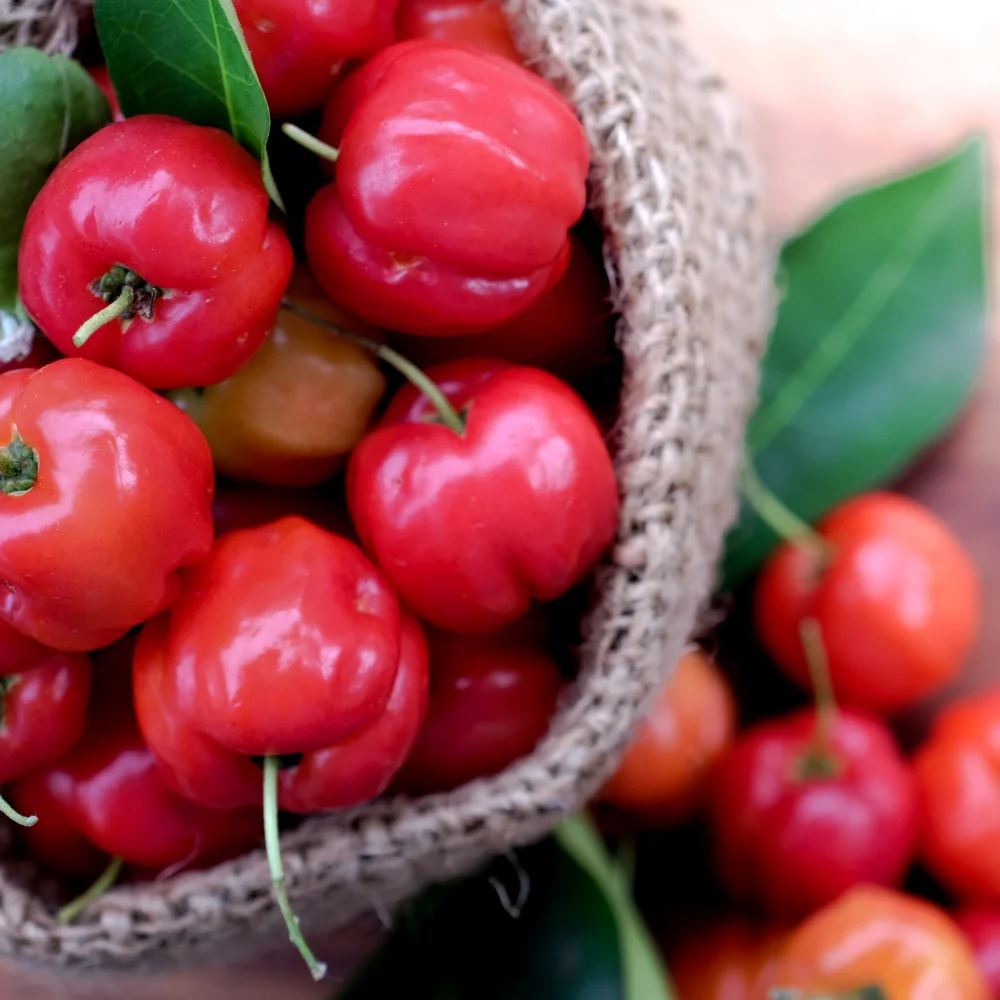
(310, 142)
(127, 295)
(105, 881)
(871, 992)
(18, 466)
(272, 842)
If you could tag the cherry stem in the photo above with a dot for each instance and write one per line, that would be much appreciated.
(272, 841)
(12, 814)
(106, 315)
(105, 881)
(310, 142)
(785, 523)
(448, 415)
(819, 676)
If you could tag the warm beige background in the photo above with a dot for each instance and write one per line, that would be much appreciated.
(837, 91)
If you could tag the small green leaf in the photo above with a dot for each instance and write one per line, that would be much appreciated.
(186, 58)
(48, 105)
(644, 975)
(878, 344)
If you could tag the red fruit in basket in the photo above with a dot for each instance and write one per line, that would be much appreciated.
(471, 528)
(286, 641)
(43, 702)
(298, 48)
(958, 774)
(105, 493)
(732, 959)
(567, 331)
(480, 23)
(665, 774)
(799, 814)
(492, 699)
(159, 228)
(898, 602)
(981, 926)
(109, 790)
(458, 179)
(876, 944)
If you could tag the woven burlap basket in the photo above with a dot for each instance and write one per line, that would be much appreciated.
(691, 277)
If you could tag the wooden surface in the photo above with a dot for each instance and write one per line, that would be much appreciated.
(838, 92)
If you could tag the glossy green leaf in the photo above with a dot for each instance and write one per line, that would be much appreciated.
(48, 105)
(186, 58)
(878, 344)
(644, 977)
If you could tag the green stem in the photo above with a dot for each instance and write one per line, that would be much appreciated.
(872, 992)
(783, 522)
(272, 841)
(105, 881)
(12, 814)
(314, 145)
(110, 312)
(820, 761)
(446, 412)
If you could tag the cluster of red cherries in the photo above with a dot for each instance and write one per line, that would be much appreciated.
(176, 655)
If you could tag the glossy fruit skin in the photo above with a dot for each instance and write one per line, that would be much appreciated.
(44, 704)
(298, 48)
(285, 641)
(469, 530)
(873, 935)
(898, 605)
(665, 774)
(459, 177)
(567, 331)
(109, 790)
(479, 23)
(492, 699)
(731, 959)
(293, 412)
(121, 502)
(958, 775)
(185, 208)
(981, 927)
(788, 843)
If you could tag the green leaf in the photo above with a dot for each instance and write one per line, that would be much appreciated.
(535, 927)
(186, 58)
(644, 975)
(48, 105)
(878, 343)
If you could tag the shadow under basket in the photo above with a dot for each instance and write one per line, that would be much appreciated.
(691, 278)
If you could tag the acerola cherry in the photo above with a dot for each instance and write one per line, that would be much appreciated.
(480, 23)
(896, 597)
(298, 48)
(981, 926)
(958, 776)
(664, 774)
(798, 816)
(492, 699)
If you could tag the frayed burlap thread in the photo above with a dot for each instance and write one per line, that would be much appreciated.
(50, 25)
(691, 279)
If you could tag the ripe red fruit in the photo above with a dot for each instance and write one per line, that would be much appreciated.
(492, 698)
(982, 927)
(898, 603)
(797, 819)
(956, 770)
(665, 773)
